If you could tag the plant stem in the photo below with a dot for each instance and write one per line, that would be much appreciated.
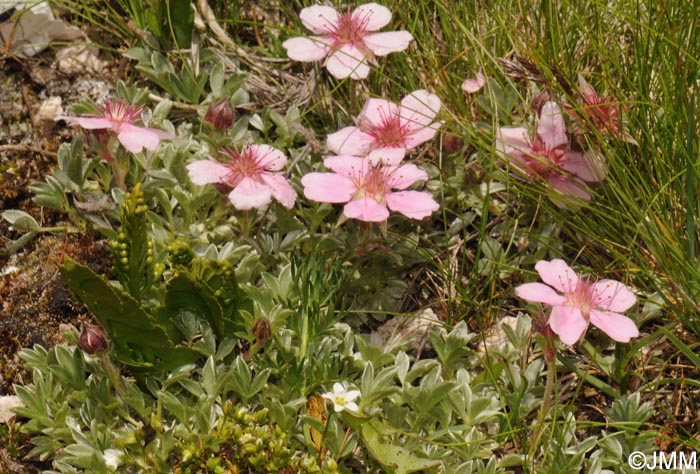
(112, 373)
(544, 409)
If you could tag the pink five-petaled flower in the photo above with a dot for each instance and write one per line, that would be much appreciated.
(385, 131)
(366, 187)
(250, 173)
(347, 39)
(121, 118)
(547, 154)
(583, 301)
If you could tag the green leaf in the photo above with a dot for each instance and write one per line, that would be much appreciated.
(68, 365)
(21, 242)
(137, 339)
(209, 377)
(216, 80)
(21, 221)
(242, 381)
(181, 17)
(233, 83)
(373, 434)
(184, 293)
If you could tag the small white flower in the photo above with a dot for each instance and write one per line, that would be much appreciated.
(113, 458)
(342, 398)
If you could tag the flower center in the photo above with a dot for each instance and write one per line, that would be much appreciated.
(340, 400)
(373, 184)
(582, 297)
(243, 164)
(120, 112)
(543, 160)
(350, 28)
(391, 131)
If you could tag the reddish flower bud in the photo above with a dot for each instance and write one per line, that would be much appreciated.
(452, 143)
(92, 339)
(220, 114)
(261, 330)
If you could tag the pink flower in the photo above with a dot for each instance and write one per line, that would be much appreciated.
(385, 131)
(474, 85)
(583, 301)
(367, 187)
(600, 110)
(346, 39)
(121, 118)
(249, 174)
(547, 154)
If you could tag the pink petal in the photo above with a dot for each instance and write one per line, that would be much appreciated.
(620, 328)
(249, 194)
(347, 165)
(328, 187)
(568, 323)
(350, 141)
(568, 187)
(306, 49)
(520, 161)
(588, 167)
(348, 61)
(162, 134)
(404, 176)
(474, 85)
(612, 295)
(135, 139)
(372, 16)
(206, 171)
(382, 44)
(281, 189)
(89, 123)
(557, 274)
(585, 87)
(419, 108)
(422, 135)
(320, 19)
(512, 138)
(366, 209)
(376, 112)
(268, 158)
(386, 156)
(551, 128)
(540, 293)
(412, 204)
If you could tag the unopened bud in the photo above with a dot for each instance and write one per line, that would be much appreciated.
(452, 143)
(261, 330)
(540, 324)
(92, 339)
(220, 114)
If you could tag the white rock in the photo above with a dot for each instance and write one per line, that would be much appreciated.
(9, 270)
(6, 403)
(49, 109)
(29, 26)
(79, 59)
(496, 337)
(414, 329)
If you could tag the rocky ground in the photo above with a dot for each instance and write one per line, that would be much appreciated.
(34, 302)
